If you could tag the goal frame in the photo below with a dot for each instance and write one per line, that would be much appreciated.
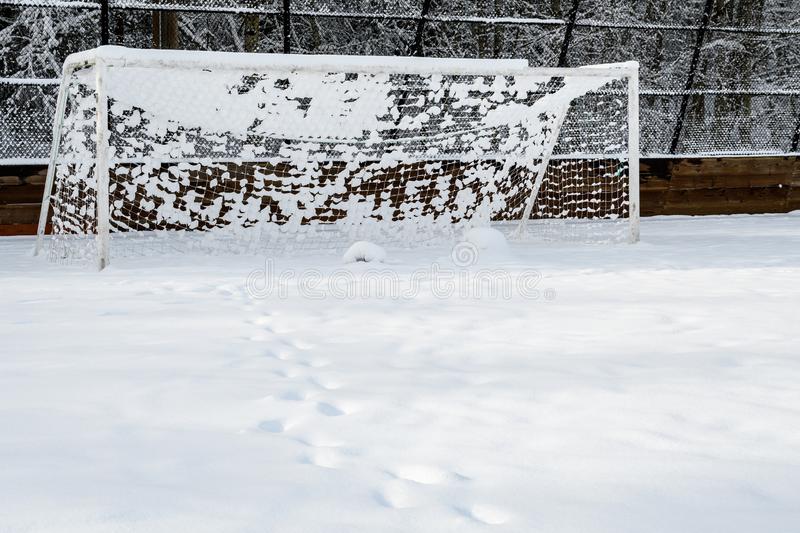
(105, 58)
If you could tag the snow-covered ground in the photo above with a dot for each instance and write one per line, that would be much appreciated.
(645, 388)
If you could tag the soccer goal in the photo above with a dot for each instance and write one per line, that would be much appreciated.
(173, 151)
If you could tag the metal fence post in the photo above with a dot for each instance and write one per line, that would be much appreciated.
(795, 147)
(698, 45)
(287, 27)
(571, 17)
(417, 50)
(103, 22)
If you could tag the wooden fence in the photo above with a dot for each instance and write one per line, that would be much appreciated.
(695, 186)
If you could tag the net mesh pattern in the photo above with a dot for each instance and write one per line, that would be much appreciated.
(74, 194)
(26, 110)
(369, 8)
(287, 161)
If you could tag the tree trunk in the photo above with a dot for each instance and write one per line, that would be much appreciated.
(169, 30)
(119, 29)
(165, 30)
(251, 32)
(497, 42)
(156, 29)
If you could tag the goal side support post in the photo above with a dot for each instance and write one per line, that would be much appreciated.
(102, 162)
(58, 124)
(545, 160)
(101, 168)
(633, 152)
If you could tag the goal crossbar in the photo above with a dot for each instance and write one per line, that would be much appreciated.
(120, 56)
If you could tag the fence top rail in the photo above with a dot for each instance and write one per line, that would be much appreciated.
(67, 4)
(272, 8)
(132, 57)
(30, 81)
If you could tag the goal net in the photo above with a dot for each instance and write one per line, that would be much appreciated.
(170, 151)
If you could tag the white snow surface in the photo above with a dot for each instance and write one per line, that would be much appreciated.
(651, 387)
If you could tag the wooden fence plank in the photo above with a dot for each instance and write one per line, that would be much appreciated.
(19, 213)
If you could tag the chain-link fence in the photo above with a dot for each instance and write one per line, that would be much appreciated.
(718, 76)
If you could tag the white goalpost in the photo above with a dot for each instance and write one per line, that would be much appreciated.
(174, 152)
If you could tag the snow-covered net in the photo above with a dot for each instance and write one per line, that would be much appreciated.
(284, 157)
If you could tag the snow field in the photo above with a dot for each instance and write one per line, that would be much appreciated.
(655, 390)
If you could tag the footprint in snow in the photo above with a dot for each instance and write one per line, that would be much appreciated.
(485, 514)
(294, 395)
(328, 409)
(425, 475)
(396, 495)
(291, 372)
(316, 363)
(323, 457)
(283, 354)
(325, 384)
(301, 345)
(320, 441)
(272, 426)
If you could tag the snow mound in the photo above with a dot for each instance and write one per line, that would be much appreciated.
(364, 251)
(488, 239)
(479, 243)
